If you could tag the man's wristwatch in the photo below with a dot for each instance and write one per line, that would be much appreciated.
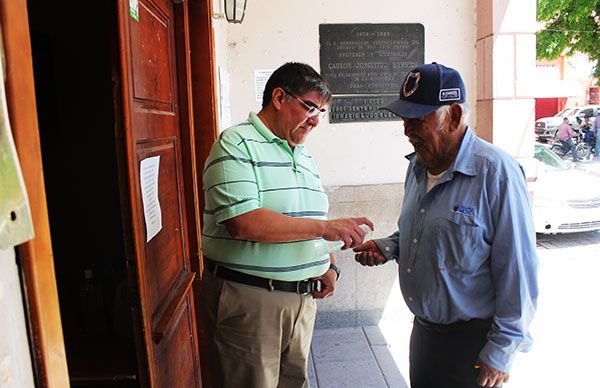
(336, 269)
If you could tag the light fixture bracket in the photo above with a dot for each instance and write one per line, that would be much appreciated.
(235, 10)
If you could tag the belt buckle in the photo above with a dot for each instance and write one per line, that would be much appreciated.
(308, 286)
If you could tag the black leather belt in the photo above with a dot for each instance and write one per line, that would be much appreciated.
(474, 323)
(301, 287)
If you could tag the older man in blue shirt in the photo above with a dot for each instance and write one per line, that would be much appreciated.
(465, 244)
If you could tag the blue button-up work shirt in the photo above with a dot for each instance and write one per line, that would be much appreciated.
(466, 249)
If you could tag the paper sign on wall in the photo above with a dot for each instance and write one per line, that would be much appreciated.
(149, 168)
(224, 101)
(260, 81)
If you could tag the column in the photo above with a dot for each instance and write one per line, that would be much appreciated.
(505, 73)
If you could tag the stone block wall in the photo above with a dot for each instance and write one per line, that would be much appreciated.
(362, 292)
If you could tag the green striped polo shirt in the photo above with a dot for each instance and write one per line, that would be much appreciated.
(249, 168)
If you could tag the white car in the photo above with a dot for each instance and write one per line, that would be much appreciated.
(565, 199)
(546, 127)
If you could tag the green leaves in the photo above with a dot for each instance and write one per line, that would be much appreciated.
(570, 26)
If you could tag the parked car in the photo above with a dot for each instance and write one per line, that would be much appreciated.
(565, 199)
(546, 127)
(577, 114)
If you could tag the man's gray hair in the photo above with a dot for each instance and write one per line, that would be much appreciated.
(444, 110)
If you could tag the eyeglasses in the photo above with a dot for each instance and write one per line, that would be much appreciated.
(311, 110)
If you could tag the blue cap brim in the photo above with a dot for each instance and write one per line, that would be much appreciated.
(408, 109)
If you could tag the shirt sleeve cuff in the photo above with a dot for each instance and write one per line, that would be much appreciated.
(235, 211)
(495, 357)
(387, 248)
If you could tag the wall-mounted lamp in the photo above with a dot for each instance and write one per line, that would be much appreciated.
(234, 10)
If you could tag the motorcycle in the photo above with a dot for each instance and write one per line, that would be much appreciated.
(589, 136)
(582, 149)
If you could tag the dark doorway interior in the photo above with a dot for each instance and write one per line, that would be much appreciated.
(74, 58)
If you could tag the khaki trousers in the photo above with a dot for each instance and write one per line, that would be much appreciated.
(255, 337)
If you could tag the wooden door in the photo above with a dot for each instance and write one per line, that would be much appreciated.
(151, 126)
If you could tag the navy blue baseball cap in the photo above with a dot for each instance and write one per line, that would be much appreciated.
(426, 88)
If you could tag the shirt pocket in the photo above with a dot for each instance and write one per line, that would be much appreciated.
(459, 243)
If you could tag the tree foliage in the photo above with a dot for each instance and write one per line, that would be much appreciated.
(570, 26)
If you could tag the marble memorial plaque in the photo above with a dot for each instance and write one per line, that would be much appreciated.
(367, 62)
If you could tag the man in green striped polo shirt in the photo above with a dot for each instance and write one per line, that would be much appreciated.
(265, 222)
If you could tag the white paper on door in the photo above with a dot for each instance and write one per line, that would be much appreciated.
(149, 168)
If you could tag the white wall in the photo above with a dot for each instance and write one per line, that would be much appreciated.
(276, 31)
(15, 361)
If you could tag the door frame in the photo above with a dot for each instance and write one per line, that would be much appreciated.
(35, 256)
(199, 128)
(203, 133)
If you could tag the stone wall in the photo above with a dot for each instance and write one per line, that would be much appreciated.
(362, 292)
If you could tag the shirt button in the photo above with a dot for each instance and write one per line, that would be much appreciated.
(415, 240)
(422, 211)
(387, 249)
(408, 270)
(410, 298)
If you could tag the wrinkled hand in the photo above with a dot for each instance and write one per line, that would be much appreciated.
(347, 230)
(328, 282)
(490, 377)
(369, 254)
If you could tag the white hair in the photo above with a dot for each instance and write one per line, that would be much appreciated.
(444, 110)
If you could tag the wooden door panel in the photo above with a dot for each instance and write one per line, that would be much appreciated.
(171, 353)
(161, 266)
(164, 254)
(166, 318)
(153, 66)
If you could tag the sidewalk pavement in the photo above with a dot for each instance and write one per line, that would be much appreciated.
(377, 356)
(592, 166)
(353, 357)
(364, 356)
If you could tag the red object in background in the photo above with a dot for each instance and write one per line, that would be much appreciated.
(548, 107)
(594, 95)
